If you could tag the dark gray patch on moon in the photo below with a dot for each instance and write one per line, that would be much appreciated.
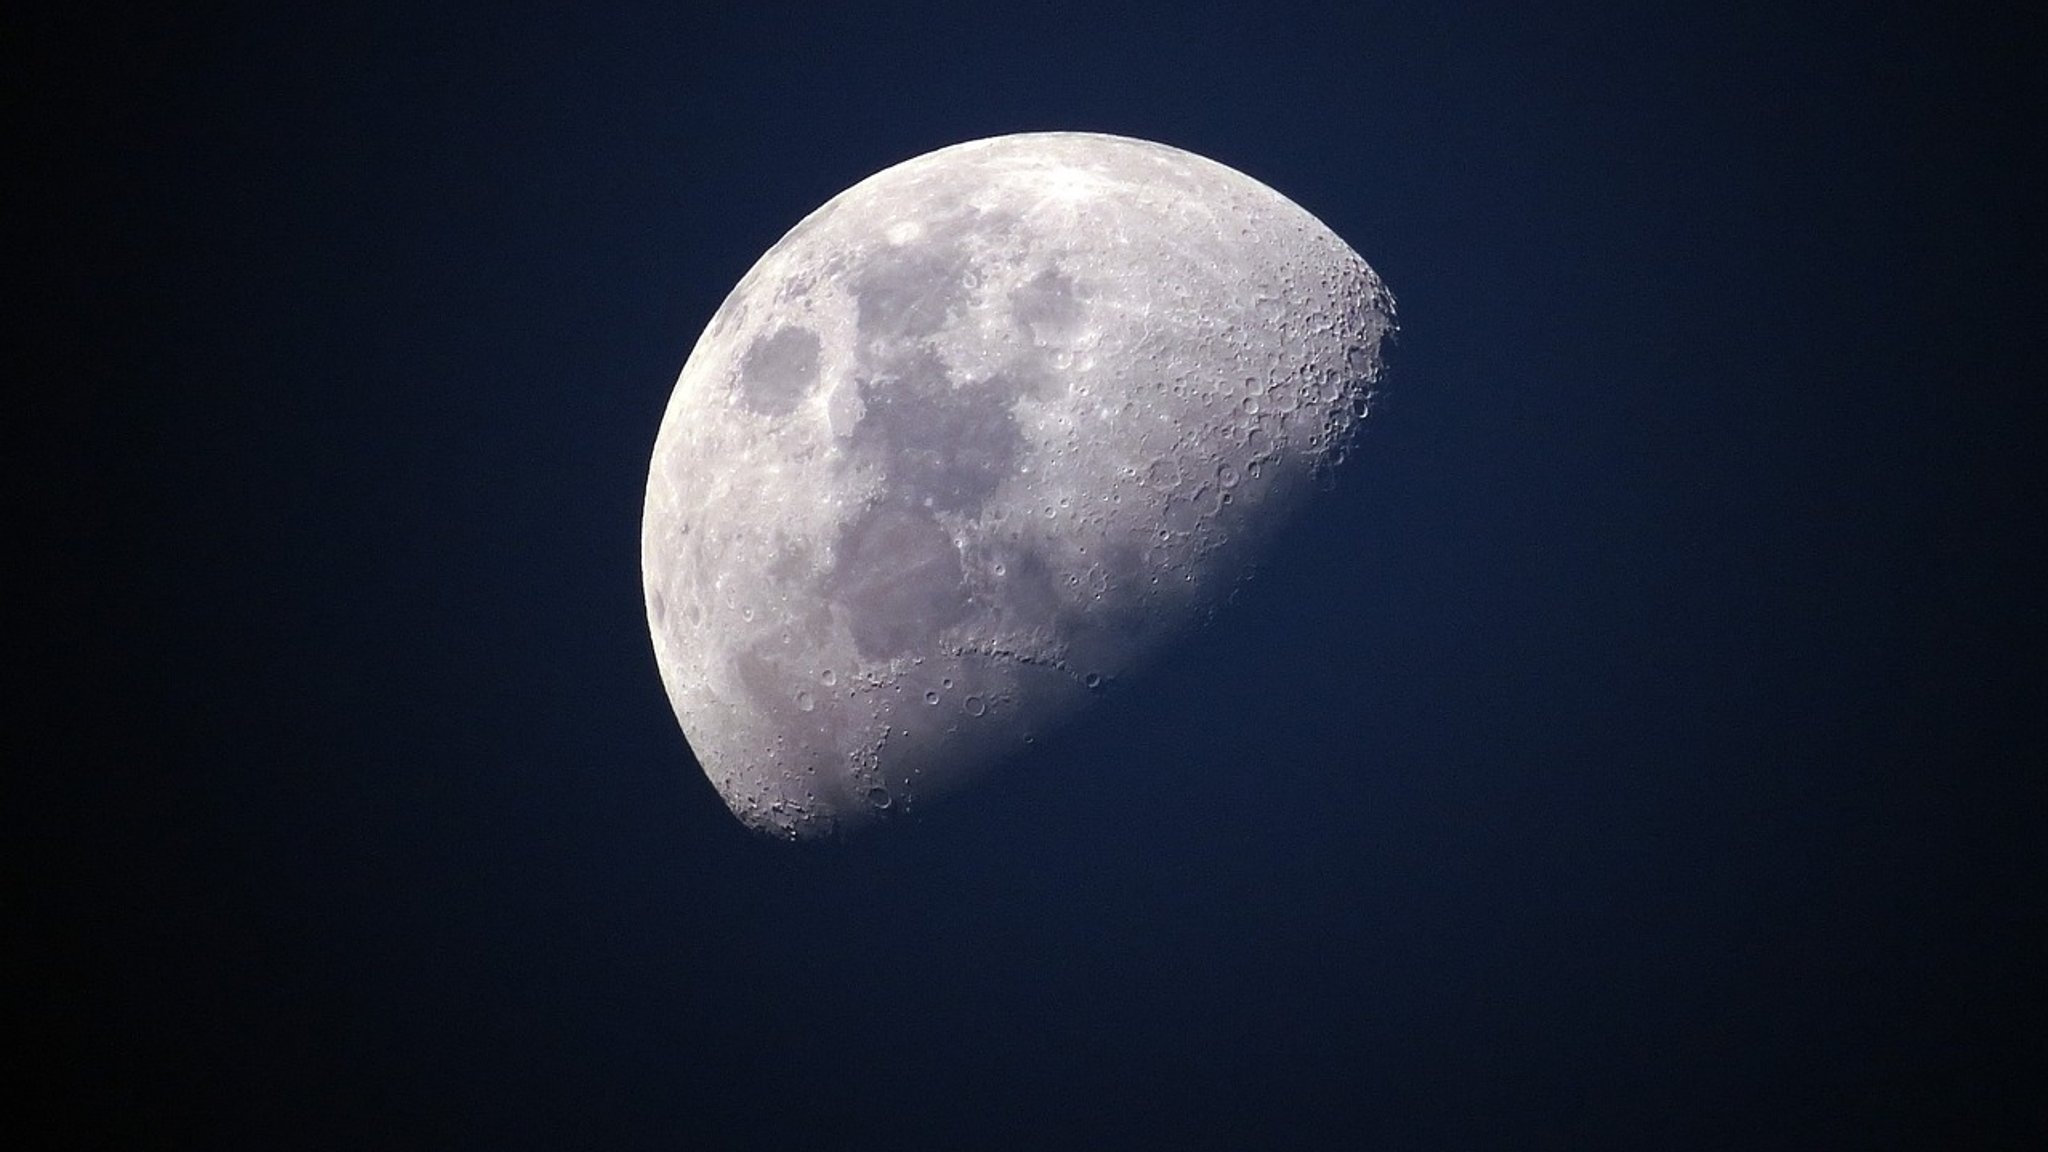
(907, 292)
(940, 447)
(897, 577)
(1030, 596)
(761, 680)
(1047, 306)
(779, 370)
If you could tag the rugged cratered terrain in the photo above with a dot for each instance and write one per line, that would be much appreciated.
(968, 443)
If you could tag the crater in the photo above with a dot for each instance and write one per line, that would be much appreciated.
(898, 579)
(778, 371)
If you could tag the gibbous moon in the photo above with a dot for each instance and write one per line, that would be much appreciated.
(971, 442)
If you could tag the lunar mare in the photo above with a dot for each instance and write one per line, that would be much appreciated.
(972, 441)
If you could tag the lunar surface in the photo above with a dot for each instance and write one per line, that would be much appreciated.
(973, 441)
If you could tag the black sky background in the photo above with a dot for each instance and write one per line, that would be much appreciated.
(1639, 747)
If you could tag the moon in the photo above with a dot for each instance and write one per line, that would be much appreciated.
(971, 443)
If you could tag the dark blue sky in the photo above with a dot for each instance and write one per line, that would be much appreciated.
(1638, 748)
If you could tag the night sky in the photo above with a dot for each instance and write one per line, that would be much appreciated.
(1640, 746)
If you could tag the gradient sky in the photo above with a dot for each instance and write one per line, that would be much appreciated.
(1638, 748)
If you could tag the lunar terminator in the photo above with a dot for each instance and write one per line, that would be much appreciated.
(971, 442)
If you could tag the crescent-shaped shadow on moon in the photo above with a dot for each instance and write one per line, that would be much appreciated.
(973, 440)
